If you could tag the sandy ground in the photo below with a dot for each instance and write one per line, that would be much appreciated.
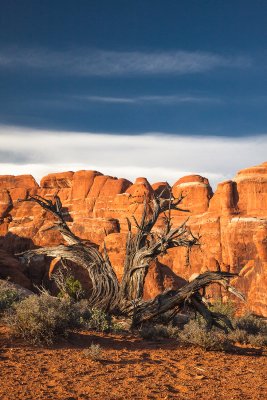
(129, 368)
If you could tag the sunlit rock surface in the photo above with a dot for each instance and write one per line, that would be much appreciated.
(232, 223)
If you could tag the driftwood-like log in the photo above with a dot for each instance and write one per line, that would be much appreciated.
(173, 299)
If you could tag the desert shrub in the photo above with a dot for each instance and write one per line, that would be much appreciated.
(99, 320)
(251, 324)
(83, 312)
(94, 352)
(87, 317)
(154, 332)
(195, 333)
(243, 337)
(67, 284)
(238, 336)
(42, 318)
(8, 296)
(258, 340)
(226, 308)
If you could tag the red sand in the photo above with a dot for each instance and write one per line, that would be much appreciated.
(130, 368)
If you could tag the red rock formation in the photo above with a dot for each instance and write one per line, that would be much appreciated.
(57, 180)
(232, 223)
(20, 181)
(10, 268)
(197, 192)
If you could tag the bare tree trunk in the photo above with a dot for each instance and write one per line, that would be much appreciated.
(145, 246)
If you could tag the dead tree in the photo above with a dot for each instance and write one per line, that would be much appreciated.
(143, 246)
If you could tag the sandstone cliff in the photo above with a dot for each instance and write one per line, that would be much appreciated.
(232, 223)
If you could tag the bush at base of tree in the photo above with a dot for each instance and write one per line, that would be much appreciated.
(42, 318)
(249, 329)
(224, 307)
(251, 324)
(195, 333)
(158, 331)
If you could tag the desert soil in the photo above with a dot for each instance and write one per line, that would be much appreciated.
(129, 368)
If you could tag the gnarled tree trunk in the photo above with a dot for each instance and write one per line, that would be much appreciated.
(142, 247)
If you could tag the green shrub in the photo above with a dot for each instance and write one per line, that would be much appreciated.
(99, 320)
(42, 318)
(67, 284)
(8, 296)
(74, 287)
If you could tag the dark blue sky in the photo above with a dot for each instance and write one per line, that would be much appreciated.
(190, 67)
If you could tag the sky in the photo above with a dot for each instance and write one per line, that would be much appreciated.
(155, 88)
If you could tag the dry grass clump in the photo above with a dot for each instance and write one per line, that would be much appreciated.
(94, 352)
(243, 337)
(248, 329)
(154, 332)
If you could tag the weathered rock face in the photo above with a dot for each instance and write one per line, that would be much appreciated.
(197, 192)
(11, 268)
(232, 223)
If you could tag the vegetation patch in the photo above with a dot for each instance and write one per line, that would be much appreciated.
(9, 295)
(42, 319)
(195, 333)
(158, 331)
(94, 352)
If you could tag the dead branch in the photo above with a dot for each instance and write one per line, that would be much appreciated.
(172, 299)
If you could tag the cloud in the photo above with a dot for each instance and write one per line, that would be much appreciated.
(88, 62)
(153, 99)
(157, 156)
